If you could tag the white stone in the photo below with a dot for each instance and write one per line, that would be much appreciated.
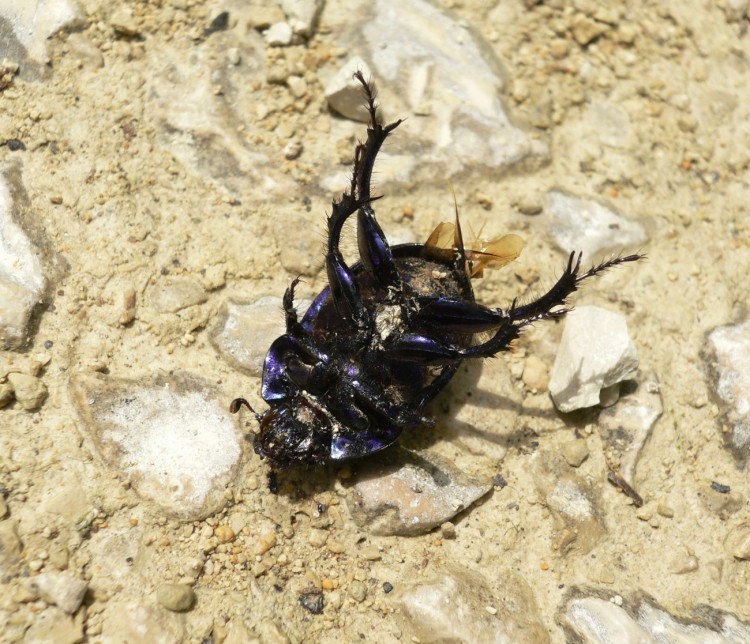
(171, 436)
(302, 15)
(34, 22)
(440, 76)
(344, 93)
(731, 348)
(588, 226)
(21, 278)
(595, 352)
(278, 34)
(62, 590)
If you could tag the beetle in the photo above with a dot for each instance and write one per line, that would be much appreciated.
(387, 333)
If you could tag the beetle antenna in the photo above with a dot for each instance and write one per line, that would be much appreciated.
(234, 407)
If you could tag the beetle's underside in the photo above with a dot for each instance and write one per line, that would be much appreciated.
(385, 336)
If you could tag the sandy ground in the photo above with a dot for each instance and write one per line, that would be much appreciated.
(117, 199)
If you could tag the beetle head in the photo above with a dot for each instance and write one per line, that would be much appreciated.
(294, 432)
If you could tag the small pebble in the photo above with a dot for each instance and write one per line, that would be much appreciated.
(312, 601)
(265, 543)
(535, 374)
(448, 530)
(358, 590)
(684, 564)
(278, 34)
(224, 533)
(575, 452)
(530, 205)
(62, 590)
(317, 538)
(371, 553)
(738, 542)
(387, 587)
(30, 391)
(175, 597)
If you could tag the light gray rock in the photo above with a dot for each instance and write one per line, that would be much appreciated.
(578, 522)
(728, 355)
(21, 278)
(595, 620)
(626, 426)
(440, 75)
(53, 626)
(10, 549)
(458, 606)
(410, 493)
(244, 331)
(171, 294)
(278, 34)
(595, 352)
(137, 624)
(171, 436)
(587, 225)
(62, 590)
(302, 15)
(344, 93)
(34, 21)
(29, 391)
(175, 597)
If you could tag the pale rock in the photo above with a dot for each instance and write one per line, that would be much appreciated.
(302, 15)
(85, 51)
(578, 522)
(54, 626)
(62, 590)
(244, 331)
(123, 22)
(738, 542)
(261, 18)
(728, 357)
(10, 549)
(588, 226)
(626, 426)
(137, 624)
(6, 394)
(175, 597)
(598, 621)
(595, 352)
(575, 452)
(595, 620)
(459, 605)
(444, 79)
(21, 279)
(407, 493)
(30, 391)
(35, 21)
(278, 34)
(172, 294)
(344, 93)
(171, 436)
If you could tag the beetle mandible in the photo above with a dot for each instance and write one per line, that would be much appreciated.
(386, 334)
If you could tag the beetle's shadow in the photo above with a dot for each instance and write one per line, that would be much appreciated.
(466, 385)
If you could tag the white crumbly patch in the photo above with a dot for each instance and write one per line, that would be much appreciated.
(387, 320)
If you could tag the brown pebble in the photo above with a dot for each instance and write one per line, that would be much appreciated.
(225, 534)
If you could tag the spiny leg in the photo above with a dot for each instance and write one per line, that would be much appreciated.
(467, 317)
(344, 289)
(542, 307)
(374, 250)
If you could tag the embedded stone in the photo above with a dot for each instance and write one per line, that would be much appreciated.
(595, 352)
